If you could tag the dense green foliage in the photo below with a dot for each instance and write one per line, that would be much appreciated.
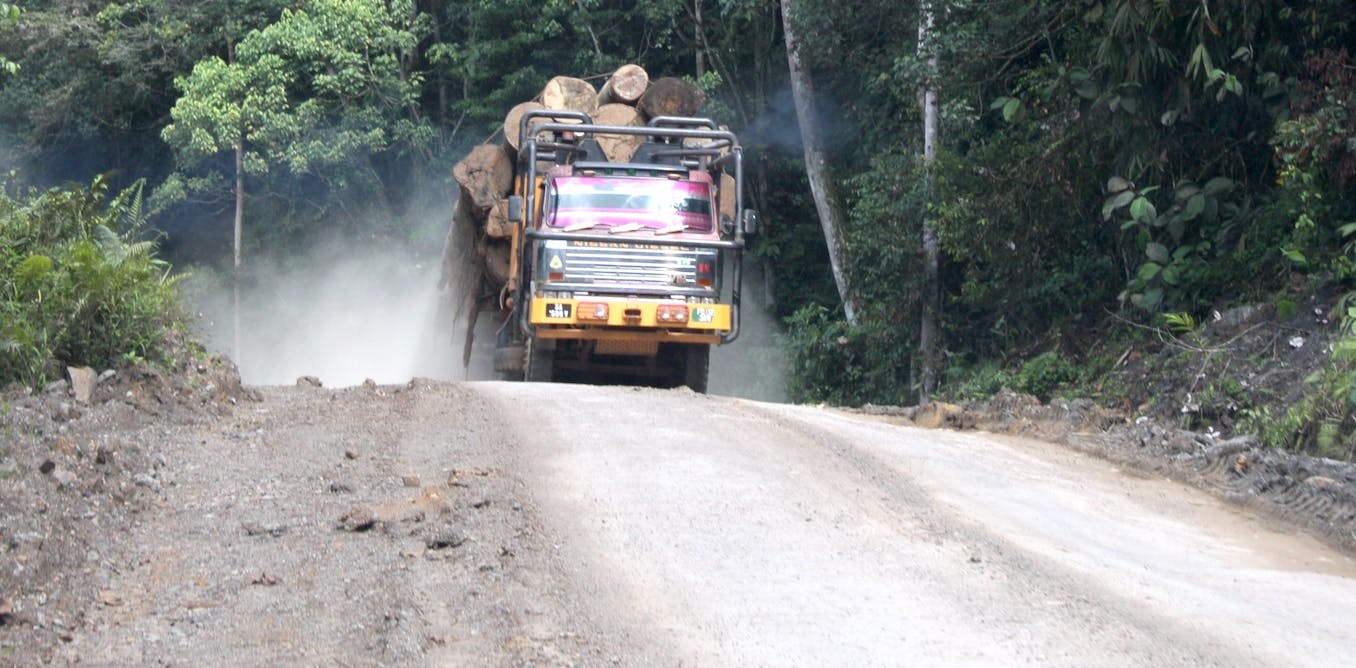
(8, 13)
(1122, 155)
(78, 286)
(1135, 157)
(320, 96)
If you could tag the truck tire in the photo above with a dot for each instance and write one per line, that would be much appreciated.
(540, 363)
(508, 361)
(696, 365)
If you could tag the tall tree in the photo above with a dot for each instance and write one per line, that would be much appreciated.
(226, 106)
(317, 94)
(816, 165)
(320, 95)
(930, 327)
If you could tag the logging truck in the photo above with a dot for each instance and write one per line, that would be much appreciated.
(605, 231)
(624, 262)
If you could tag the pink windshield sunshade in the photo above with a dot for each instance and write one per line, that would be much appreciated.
(653, 203)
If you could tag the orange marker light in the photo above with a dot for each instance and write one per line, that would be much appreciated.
(592, 311)
(672, 314)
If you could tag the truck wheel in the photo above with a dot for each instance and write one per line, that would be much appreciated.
(508, 361)
(540, 362)
(696, 365)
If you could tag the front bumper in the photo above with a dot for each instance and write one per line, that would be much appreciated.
(629, 318)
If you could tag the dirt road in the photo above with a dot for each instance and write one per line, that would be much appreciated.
(755, 534)
(511, 524)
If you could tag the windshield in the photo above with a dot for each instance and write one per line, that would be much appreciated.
(655, 203)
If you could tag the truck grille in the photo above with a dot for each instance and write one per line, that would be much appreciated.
(621, 265)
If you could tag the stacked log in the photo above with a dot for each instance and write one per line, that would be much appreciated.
(625, 86)
(670, 96)
(569, 94)
(619, 148)
(485, 176)
(513, 122)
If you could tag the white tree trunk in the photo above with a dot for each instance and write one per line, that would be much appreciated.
(930, 327)
(238, 237)
(821, 183)
(237, 234)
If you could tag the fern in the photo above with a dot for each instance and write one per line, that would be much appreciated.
(1180, 323)
(76, 284)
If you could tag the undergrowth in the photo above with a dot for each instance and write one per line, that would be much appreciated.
(79, 285)
(1323, 421)
(833, 362)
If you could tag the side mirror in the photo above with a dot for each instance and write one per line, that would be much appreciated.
(515, 209)
(750, 222)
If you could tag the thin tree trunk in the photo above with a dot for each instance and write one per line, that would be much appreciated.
(238, 234)
(436, 12)
(930, 327)
(816, 168)
(238, 229)
(593, 36)
(701, 35)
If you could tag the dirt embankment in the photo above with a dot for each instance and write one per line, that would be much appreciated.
(181, 519)
(76, 472)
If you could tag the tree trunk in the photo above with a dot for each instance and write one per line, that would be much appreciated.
(816, 168)
(238, 237)
(625, 86)
(670, 96)
(584, 16)
(436, 12)
(497, 225)
(725, 200)
(513, 122)
(700, 31)
(238, 229)
(486, 174)
(496, 256)
(930, 327)
(619, 148)
(571, 94)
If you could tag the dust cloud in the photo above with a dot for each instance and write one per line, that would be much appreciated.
(341, 312)
(754, 366)
(348, 311)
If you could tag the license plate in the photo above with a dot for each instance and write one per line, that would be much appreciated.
(558, 311)
(704, 315)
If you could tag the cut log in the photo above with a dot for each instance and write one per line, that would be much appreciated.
(462, 269)
(619, 148)
(486, 174)
(472, 304)
(513, 122)
(570, 94)
(670, 96)
(466, 214)
(724, 148)
(625, 86)
(496, 255)
(461, 236)
(497, 223)
(726, 199)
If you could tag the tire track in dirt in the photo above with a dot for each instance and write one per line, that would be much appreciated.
(742, 534)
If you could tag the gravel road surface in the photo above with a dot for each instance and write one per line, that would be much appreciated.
(524, 524)
(734, 533)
